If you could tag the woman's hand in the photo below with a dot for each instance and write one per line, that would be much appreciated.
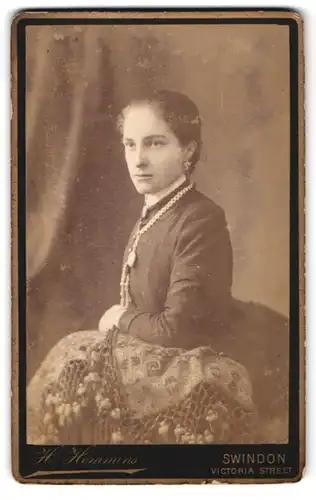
(111, 317)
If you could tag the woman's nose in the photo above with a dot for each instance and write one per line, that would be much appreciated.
(140, 157)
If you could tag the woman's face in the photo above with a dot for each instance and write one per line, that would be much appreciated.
(153, 153)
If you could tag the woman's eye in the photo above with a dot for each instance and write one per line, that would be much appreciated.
(129, 145)
(156, 143)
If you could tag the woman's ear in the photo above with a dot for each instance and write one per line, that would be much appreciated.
(187, 157)
(191, 147)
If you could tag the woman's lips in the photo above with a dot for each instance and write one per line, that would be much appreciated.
(143, 177)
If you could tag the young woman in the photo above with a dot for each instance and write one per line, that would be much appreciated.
(177, 272)
(150, 374)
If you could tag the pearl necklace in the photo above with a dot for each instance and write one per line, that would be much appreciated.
(132, 255)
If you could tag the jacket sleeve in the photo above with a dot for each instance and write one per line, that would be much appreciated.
(200, 285)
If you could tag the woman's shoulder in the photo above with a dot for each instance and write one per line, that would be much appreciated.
(198, 206)
(202, 220)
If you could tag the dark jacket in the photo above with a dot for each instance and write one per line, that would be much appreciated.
(181, 283)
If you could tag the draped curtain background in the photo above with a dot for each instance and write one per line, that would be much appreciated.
(80, 203)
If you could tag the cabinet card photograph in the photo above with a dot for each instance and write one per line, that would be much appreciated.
(158, 243)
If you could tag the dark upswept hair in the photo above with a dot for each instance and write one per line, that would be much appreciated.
(179, 111)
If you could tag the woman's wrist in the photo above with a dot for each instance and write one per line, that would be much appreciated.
(111, 317)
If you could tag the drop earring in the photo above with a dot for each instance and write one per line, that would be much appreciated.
(187, 165)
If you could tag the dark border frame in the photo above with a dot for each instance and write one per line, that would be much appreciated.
(163, 463)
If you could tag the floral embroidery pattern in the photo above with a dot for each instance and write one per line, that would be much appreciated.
(116, 389)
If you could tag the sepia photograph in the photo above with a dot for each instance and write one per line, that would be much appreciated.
(157, 235)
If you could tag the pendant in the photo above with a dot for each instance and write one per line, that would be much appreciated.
(131, 258)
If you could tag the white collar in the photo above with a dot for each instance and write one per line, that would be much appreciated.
(152, 199)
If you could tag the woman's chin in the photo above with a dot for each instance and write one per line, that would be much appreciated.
(143, 188)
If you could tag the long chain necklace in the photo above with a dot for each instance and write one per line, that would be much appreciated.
(132, 255)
